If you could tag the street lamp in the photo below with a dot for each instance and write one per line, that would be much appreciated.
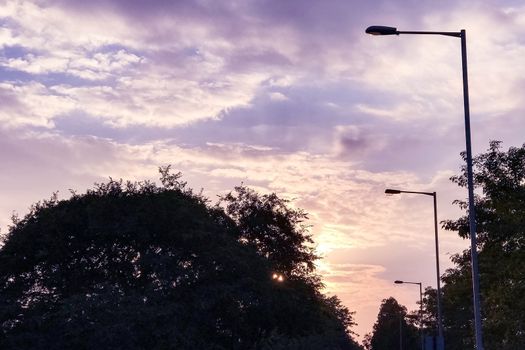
(382, 30)
(438, 275)
(420, 307)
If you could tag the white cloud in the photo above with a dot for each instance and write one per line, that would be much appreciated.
(394, 101)
(277, 96)
(32, 104)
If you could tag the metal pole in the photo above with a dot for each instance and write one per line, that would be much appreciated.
(438, 274)
(381, 30)
(439, 299)
(400, 332)
(471, 206)
(421, 316)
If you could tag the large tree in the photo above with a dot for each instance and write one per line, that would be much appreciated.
(137, 266)
(499, 177)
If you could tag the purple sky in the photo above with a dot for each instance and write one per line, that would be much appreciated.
(285, 96)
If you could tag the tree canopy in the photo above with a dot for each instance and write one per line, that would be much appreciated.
(277, 231)
(141, 266)
(500, 220)
(392, 330)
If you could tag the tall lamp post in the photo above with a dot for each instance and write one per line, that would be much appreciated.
(382, 30)
(438, 274)
(420, 307)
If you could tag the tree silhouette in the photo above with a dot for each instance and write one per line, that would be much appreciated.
(137, 266)
(277, 231)
(500, 220)
(391, 330)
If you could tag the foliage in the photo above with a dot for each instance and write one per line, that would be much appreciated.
(136, 266)
(391, 328)
(429, 312)
(500, 221)
(276, 230)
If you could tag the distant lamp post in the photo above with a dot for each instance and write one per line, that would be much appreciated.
(420, 308)
(383, 30)
(438, 275)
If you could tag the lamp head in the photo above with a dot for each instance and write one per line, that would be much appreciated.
(391, 191)
(381, 30)
(398, 282)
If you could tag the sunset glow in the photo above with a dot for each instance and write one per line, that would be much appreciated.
(290, 97)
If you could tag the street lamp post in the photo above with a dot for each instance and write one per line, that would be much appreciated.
(420, 307)
(438, 274)
(400, 331)
(382, 30)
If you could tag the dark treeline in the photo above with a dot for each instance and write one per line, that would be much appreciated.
(394, 329)
(138, 266)
(499, 177)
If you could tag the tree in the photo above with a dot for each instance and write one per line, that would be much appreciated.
(500, 220)
(276, 230)
(391, 330)
(137, 266)
(429, 312)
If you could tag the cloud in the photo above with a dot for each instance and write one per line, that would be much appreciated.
(284, 96)
(31, 104)
(35, 165)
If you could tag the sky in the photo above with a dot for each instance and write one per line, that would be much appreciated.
(290, 97)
